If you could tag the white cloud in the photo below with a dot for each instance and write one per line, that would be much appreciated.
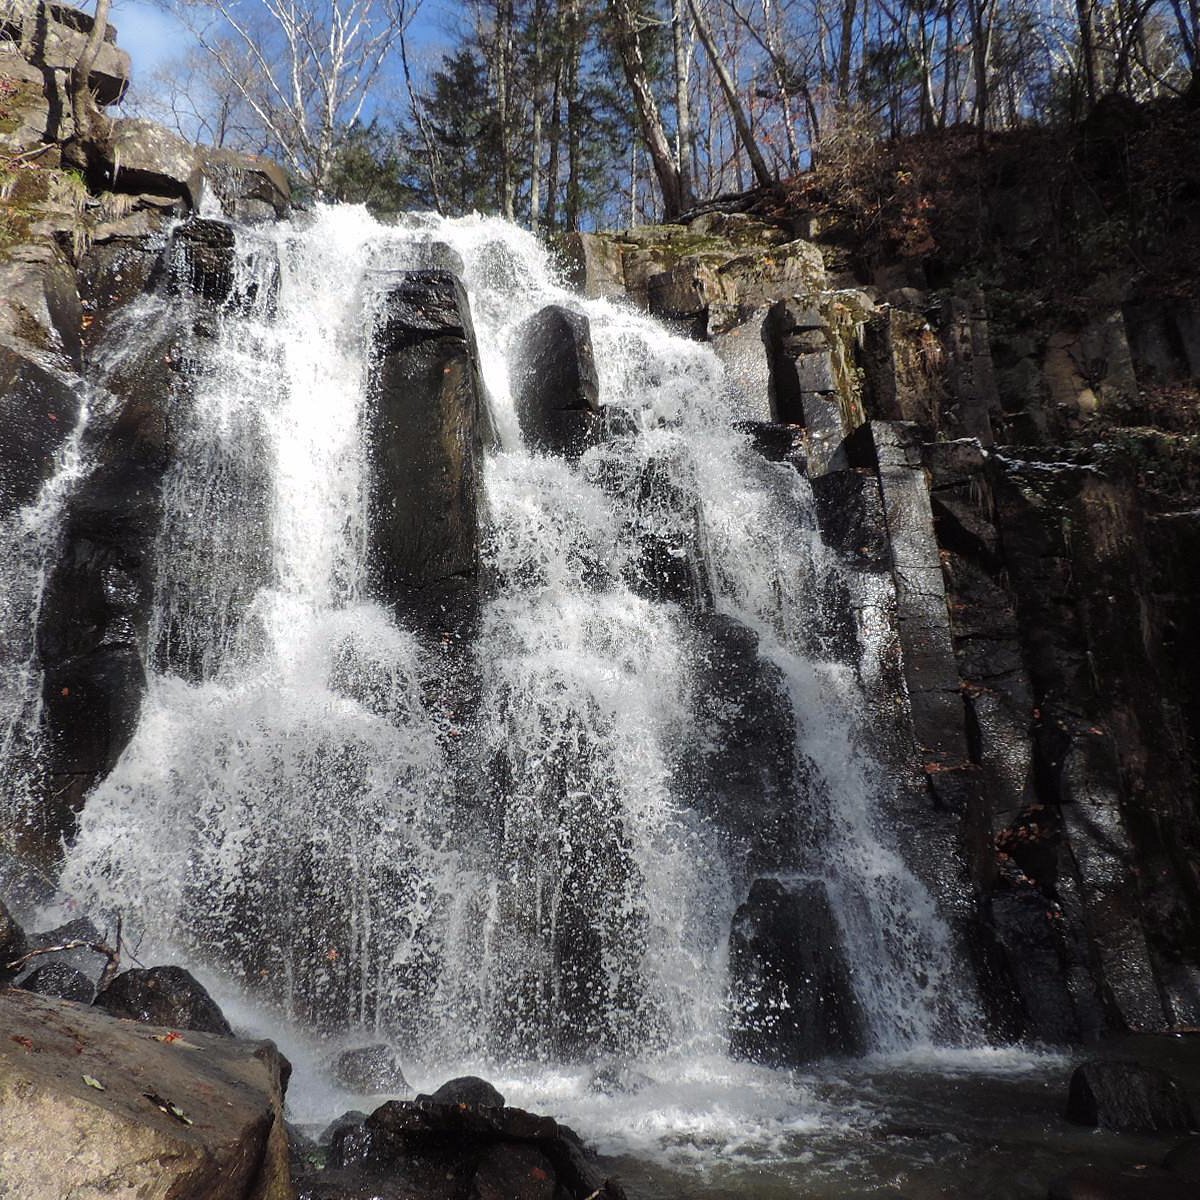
(150, 35)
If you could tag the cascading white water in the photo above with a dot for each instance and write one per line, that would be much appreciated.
(290, 810)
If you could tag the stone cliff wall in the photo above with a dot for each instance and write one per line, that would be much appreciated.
(75, 254)
(1039, 598)
(1031, 604)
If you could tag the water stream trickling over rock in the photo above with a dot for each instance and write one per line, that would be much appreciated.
(510, 811)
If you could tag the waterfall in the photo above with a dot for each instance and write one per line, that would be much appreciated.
(300, 810)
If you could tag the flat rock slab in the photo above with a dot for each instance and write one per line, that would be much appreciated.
(181, 1116)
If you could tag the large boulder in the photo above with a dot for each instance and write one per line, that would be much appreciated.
(592, 264)
(58, 33)
(246, 186)
(93, 1107)
(428, 426)
(791, 996)
(148, 157)
(407, 1149)
(554, 382)
(164, 996)
(369, 1070)
(467, 1089)
(1127, 1097)
(26, 119)
(61, 981)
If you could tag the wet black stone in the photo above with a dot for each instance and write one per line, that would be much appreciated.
(167, 996)
(12, 942)
(1127, 1097)
(204, 258)
(791, 999)
(61, 981)
(348, 1120)
(554, 382)
(467, 1089)
(369, 1069)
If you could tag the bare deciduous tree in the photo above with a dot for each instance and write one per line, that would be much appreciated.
(304, 68)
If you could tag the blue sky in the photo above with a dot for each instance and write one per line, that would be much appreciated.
(153, 37)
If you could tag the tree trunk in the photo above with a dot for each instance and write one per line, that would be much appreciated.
(84, 110)
(1087, 48)
(431, 154)
(629, 47)
(845, 51)
(982, 12)
(535, 149)
(778, 68)
(683, 113)
(745, 134)
(574, 109)
(553, 166)
(1189, 31)
(504, 18)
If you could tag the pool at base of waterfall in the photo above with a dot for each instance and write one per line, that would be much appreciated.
(926, 1125)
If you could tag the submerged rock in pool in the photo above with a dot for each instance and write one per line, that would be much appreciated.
(1134, 1183)
(1127, 1097)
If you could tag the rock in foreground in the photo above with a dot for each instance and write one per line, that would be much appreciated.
(422, 1150)
(195, 1118)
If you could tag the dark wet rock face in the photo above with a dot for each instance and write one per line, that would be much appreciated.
(791, 995)
(369, 1069)
(203, 258)
(348, 1120)
(554, 382)
(13, 943)
(164, 996)
(433, 1149)
(467, 1089)
(428, 427)
(96, 608)
(61, 981)
(1126, 1097)
(744, 778)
